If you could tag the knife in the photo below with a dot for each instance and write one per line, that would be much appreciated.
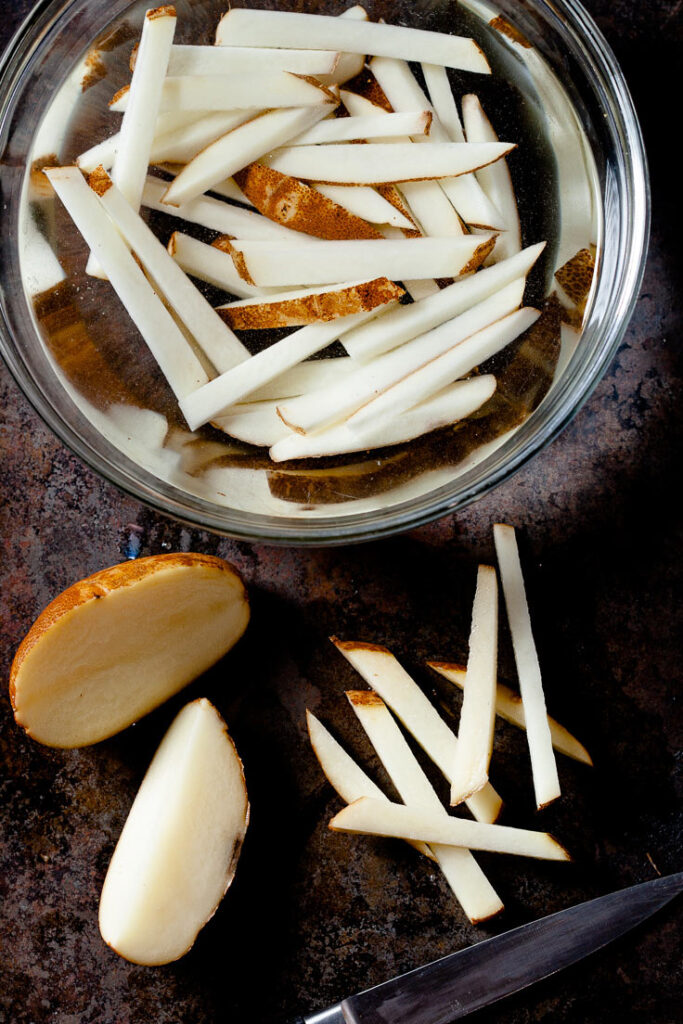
(446, 990)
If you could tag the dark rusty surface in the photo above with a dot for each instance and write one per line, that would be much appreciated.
(311, 915)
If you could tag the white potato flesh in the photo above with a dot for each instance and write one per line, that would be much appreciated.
(181, 143)
(253, 422)
(373, 817)
(217, 60)
(255, 90)
(314, 31)
(365, 202)
(104, 153)
(407, 322)
(380, 670)
(509, 706)
(113, 647)
(478, 714)
(305, 377)
(443, 100)
(466, 879)
(543, 765)
(374, 126)
(349, 64)
(179, 848)
(211, 264)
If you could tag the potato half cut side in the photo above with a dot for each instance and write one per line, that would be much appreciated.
(179, 848)
(114, 646)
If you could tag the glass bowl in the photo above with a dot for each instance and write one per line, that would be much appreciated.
(573, 100)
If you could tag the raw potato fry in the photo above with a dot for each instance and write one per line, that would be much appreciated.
(305, 377)
(342, 772)
(443, 100)
(543, 766)
(509, 706)
(452, 404)
(495, 180)
(253, 422)
(312, 31)
(373, 126)
(315, 411)
(176, 360)
(365, 202)
(102, 655)
(375, 818)
(312, 305)
(104, 153)
(408, 322)
(182, 143)
(256, 90)
(217, 60)
(467, 881)
(385, 675)
(208, 329)
(377, 163)
(403, 92)
(349, 64)
(299, 207)
(478, 714)
(240, 147)
(178, 851)
(456, 362)
(218, 216)
(207, 402)
(272, 263)
(211, 265)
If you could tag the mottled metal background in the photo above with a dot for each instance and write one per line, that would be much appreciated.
(313, 916)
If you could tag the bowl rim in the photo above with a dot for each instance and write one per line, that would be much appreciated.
(606, 79)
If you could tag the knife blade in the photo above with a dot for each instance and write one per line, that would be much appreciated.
(450, 988)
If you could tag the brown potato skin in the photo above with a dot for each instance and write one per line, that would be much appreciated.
(101, 583)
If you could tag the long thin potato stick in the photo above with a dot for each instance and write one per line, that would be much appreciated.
(543, 766)
(257, 90)
(315, 411)
(163, 337)
(316, 373)
(239, 147)
(182, 143)
(104, 153)
(380, 162)
(217, 60)
(349, 64)
(509, 706)
(205, 325)
(308, 305)
(210, 264)
(367, 816)
(468, 882)
(374, 126)
(457, 361)
(253, 422)
(443, 100)
(452, 404)
(478, 715)
(327, 262)
(341, 771)
(365, 202)
(207, 402)
(408, 322)
(312, 31)
(380, 670)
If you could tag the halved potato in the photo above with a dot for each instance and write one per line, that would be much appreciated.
(114, 646)
(181, 842)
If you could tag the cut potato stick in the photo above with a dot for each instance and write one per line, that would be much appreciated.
(313, 31)
(366, 203)
(227, 189)
(272, 263)
(258, 90)
(380, 670)
(210, 264)
(205, 325)
(543, 766)
(218, 216)
(104, 153)
(304, 377)
(217, 60)
(349, 64)
(509, 706)
(177, 361)
(240, 147)
(443, 100)
(374, 126)
(380, 162)
(309, 305)
(346, 777)
(254, 423)
(478, 714)
(408, 322)
(403, 92)
(367, 816)
(207, 402)
(182, 143)
(495, 180)
(452, 404)
(314, 411)
(468, 882)
(299, 207)
(459, 360)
